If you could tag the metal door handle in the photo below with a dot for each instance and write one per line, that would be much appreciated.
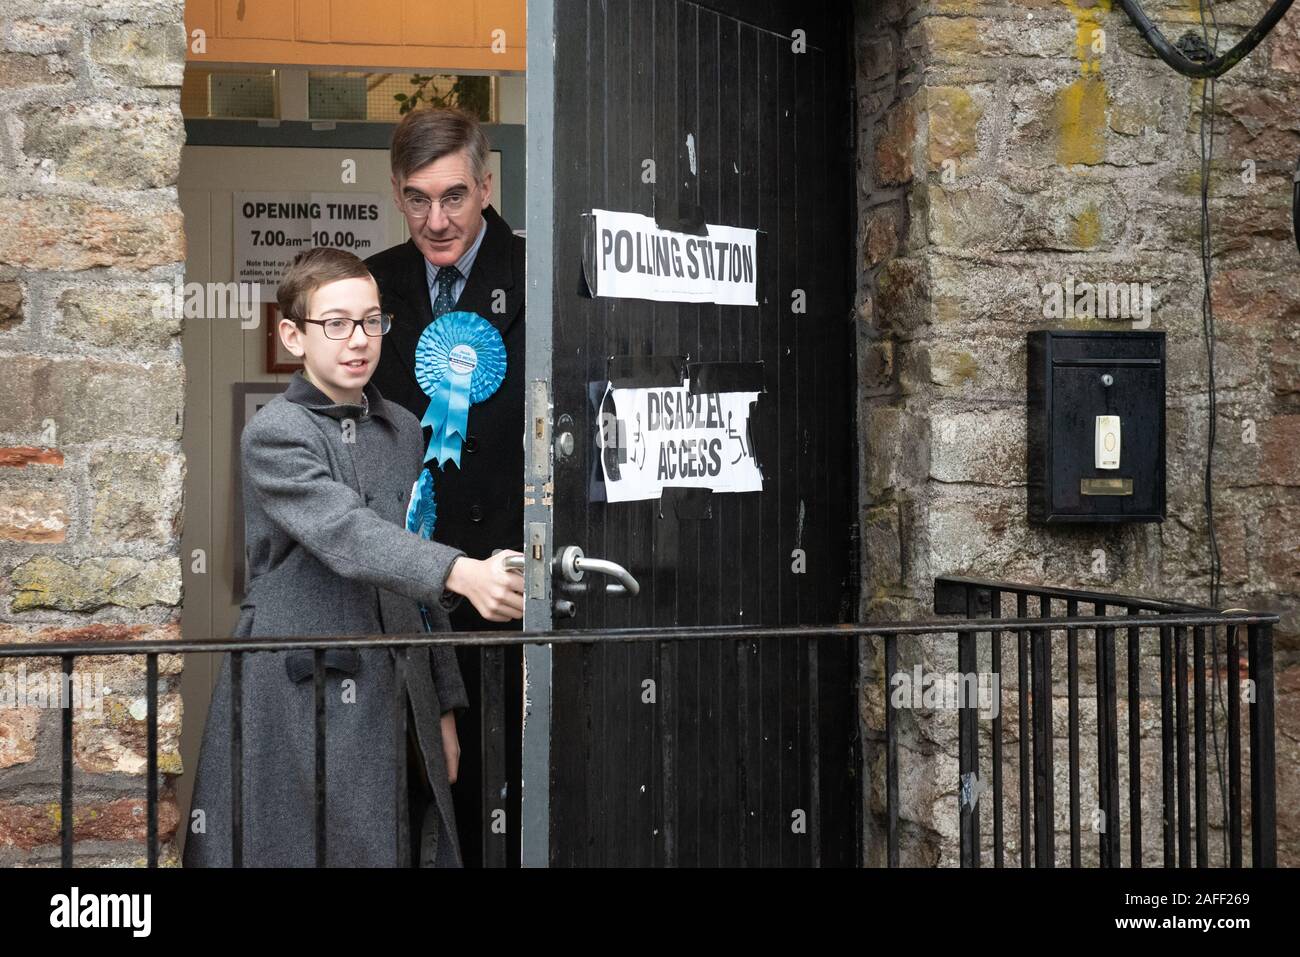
(571, 564)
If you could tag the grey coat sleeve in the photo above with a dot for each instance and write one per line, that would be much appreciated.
(293, 484)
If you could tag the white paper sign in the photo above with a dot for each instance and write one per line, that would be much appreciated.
(628, 257)
(672, 438)
(272, 228)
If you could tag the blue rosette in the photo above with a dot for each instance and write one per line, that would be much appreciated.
(422, 513)
(459, 360)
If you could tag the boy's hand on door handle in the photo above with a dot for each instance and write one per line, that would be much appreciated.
(495, 591)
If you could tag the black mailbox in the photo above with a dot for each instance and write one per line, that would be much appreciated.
(1096, 426)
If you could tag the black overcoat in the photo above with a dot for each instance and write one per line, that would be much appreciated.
(480, 503)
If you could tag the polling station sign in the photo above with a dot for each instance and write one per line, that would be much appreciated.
(657, 438)
(271, 228)
(629, 256)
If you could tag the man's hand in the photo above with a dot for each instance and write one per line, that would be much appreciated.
(450, 745)
(495, 591)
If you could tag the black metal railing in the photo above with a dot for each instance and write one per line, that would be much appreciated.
(981, 605)
(1172, 622)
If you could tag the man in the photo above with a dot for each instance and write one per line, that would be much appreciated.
(462, 257)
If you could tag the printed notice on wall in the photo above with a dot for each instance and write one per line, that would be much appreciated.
(272, 228)
(655, 438)
(627, 256)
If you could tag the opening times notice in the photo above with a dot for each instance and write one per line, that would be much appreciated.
(273, 227)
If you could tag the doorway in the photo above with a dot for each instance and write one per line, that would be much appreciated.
(687, 119)
(287, 100)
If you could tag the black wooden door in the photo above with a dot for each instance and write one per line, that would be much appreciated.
(704, 752)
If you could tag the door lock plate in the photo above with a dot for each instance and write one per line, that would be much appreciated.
(538, 572)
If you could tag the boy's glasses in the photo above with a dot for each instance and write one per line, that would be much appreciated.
(339, 328)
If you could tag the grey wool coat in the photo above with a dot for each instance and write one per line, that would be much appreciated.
(326, 489)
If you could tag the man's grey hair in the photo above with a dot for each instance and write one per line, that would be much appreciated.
(426, 136)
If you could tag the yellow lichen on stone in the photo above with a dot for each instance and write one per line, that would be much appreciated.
(964, 367)
(1081, 106)
(170, 763)
(1081, 121)
(1087, 18)
(953, 124)
(1087, 227)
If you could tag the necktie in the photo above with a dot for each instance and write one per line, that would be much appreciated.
(445, 299)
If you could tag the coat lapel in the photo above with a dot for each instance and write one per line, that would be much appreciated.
(413, 311)
(493, 270)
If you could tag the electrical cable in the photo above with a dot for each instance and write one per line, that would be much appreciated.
(1208, 93)
(1215, 66)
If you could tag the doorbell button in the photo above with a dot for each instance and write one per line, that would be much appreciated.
(1107, 442)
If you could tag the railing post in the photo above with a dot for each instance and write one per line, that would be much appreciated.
(891, 755)
(1134, 744)
(995, 611)
(66, 773)
(1263, 767)
(1184, 758)
(1022, 686)
(1072, 678)
(1234, 746)
(1107, 743)
(151, 733)
(1169, 814)
(1044, 813)
(968, 743)
(1199, 711)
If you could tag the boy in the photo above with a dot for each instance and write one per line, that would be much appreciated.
(328, 469)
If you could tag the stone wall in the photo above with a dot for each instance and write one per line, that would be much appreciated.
(90, 460)
(1004, 146)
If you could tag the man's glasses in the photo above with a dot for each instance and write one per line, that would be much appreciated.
(452, 202)
(337, 327)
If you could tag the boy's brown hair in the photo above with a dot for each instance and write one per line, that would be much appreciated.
(308, 272)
